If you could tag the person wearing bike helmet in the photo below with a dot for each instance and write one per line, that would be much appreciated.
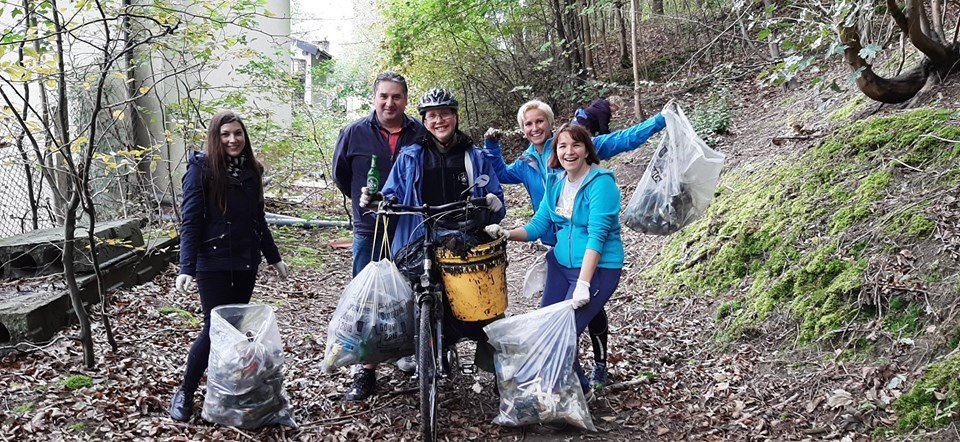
(441, 167)
(531, 170)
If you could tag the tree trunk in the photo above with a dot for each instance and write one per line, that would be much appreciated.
(940, 60)
(558, 10)
(622, 25)
(70, 275)
(657, 6)
(771, 39)
(637, 108)
(587, 40)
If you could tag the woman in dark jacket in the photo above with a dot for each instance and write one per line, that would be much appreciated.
(222, 235)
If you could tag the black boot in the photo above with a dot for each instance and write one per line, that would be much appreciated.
(181, 407)
(364, 384)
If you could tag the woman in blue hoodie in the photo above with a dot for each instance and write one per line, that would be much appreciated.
(582, 205)
(536, 120)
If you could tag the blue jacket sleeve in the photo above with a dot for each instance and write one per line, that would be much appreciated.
(494, 187)
(628, 139)
(603, 196)
(540, 223)
(342, 169)
(506, 174)
(192, 215)
(394, 186)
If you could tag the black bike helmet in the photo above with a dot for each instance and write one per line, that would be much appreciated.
(437, 99)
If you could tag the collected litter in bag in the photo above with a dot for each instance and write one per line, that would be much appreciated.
(534, 362)
(536, 277)
(245, 376)
(679, 182)
(374, 319)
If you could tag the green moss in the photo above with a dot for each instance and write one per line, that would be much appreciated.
(849, 108)
(934, 399)
(903, 317)
(77, 381)
(728, 308)
(25, 408)
(782, 232)
(912, 222)
(77, 427)
(191, 319)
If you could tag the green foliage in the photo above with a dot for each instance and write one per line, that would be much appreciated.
(189, 317)
(25, 408)
(933, 400)
(711, 119)
(77, 382)
(783, 233)
(903, 316)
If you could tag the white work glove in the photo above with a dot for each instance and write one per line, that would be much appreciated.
(581, 294)
(670, 106)
(184, 283)
(282, 269)
(493, 203)
(364, 197)
(493, 135)
(496, 231)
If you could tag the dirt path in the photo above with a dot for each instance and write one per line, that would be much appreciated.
(674, 382)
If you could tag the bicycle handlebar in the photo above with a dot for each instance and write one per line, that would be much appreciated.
(389, 207)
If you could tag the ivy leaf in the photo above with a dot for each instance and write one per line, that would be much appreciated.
(852, 79)
(869, 51)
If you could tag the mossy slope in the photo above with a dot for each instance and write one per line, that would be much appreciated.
(797, 239)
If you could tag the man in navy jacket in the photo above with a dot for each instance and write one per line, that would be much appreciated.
(382, 133)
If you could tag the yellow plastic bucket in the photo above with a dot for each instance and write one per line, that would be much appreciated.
(476, 284)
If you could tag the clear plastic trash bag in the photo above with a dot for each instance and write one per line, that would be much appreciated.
(373, 321)
(245, 371)
(536, 277)
(679, 182)
(534, 363)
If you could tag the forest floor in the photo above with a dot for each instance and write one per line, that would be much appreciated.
(672, 379)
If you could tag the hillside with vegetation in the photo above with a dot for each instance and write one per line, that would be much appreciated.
(815, 298)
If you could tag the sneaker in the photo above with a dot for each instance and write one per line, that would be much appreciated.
(364, 385)
(407, 364)
(181, 406)
(598, 379)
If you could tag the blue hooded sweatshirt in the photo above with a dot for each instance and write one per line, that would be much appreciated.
(404, 184)
(531, 170)
(594, 223)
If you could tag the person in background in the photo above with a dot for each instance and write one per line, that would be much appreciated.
(581, 204)
(596, 117)
(382, 133)
(222, 236)
(531, 170)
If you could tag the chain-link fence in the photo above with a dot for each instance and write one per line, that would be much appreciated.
(19, 212)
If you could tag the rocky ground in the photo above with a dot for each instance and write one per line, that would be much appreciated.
(671, 379)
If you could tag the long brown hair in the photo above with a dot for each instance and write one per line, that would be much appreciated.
(577, 133)
(217, 158)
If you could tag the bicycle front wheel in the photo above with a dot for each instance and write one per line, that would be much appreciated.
(427, 369)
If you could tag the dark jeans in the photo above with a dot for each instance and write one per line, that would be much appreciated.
(366, 246)
(559, 287)
(216, 289)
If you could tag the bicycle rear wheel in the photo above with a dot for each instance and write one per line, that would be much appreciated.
(427, 369)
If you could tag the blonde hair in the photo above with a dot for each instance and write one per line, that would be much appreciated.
(615, 100)
(535, 104)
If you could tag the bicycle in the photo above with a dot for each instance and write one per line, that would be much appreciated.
(428, 335)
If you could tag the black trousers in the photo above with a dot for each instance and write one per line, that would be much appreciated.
(216, 289)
